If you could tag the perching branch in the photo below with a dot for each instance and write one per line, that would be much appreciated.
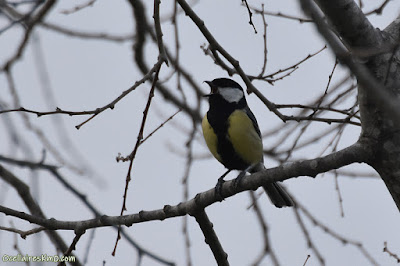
(54, 170)
(358, 152)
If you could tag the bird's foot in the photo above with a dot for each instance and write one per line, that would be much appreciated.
(218, 188)
(238, 179)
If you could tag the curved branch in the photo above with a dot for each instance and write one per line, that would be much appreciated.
(142, 28)
(366, 80)
(215, 46)
(96, 111)
(87, 35)
(358, 152)
(24, 192)
(351, 23)
(30, 26)
(378, 90)
(84, 199)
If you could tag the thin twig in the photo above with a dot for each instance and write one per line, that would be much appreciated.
(132, 156)
(379, 9)
(160, 126)
(185, 185)
(16, 247)
(321, 119)
(30, 26)
(185, 224)
(72, 247)
(308, 256)
(84, 199)
(307, 236)
(86, 35)
(391, 254)
(265, 43)
(215, 46)
(23, 234)
(88, 246)
(296, 140)
(294, 66)
(40, 134)
(250, 15)
(78, 7)
(281, 15)
(176, 62)
(325, 108)
(162, 58)
(337, 188)
(334, 234)
(374, 88)
(339, 194)
(326, 89)
(35, 210)
(96, 111)
(264, 227)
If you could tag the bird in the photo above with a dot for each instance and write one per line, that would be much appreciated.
(232, 135)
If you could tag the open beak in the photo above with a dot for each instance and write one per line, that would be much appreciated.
(213, 88)
(208, 82)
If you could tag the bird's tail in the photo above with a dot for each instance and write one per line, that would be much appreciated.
(276, 193)
(278, 196)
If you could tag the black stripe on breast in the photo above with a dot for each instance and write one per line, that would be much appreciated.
(217, 116)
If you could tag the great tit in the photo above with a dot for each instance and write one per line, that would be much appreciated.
(232, 135)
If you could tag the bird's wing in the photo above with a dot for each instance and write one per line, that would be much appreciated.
(253, 119)
(255, 124)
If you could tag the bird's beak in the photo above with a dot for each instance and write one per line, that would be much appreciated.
(208, 82)
(212, 86)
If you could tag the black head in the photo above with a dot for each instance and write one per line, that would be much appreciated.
(227, 89)
(224, 83)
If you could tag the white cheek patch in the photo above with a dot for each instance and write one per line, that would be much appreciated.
(231, 94)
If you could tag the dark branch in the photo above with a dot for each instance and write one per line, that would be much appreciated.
(211, 238)
(351, 23)
(359, 152)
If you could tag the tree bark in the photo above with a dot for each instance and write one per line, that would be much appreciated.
(380, 127)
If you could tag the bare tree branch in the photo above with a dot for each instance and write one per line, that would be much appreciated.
(24, 192)
(211, 237)
(346, 16)
(358, 152)
(30, 25)
(23, 234)
(87, 35)
(84, 199)
(391, 254)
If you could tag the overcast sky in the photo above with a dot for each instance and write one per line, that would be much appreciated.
(86, 74)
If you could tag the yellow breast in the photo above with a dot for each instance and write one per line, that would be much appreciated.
(244, 138)
(210, 138)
